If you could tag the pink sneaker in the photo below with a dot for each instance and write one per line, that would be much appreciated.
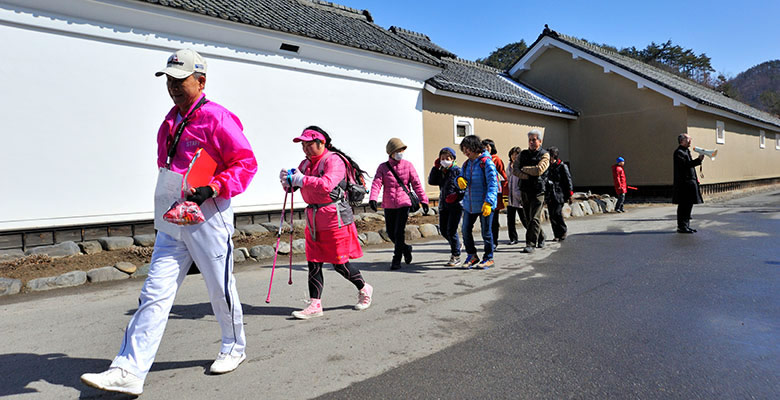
(364, 297)
(312, 311)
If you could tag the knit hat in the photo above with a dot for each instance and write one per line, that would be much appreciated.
(620, 159)
(394, 145)
(447, 150)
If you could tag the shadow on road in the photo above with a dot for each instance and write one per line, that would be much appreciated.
(59, 369)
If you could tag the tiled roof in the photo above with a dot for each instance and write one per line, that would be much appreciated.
(313, 19)
(422, 41)
(689, 89)
(471, 78)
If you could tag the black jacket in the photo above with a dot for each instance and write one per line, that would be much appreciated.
(534, 185)
(450, 194)
(559, 186)
(686, 184)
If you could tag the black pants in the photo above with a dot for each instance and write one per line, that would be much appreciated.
(621, 198)
(510, 221)
(395, 223)
(449, 220)
(532, 207)
(684, 215)
(495, 227)
(346, 270)
(556, 219)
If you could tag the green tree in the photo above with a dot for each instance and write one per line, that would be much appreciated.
(771, 101)
(504, 57)
(674, 58)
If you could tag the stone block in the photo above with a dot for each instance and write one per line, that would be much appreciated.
(374, 238)
(243, 250)
(142, 271)
(262, 251)
(90, 247)
(9, 255)
(252, 229)
(594, 205)
(105, 274)
(586, 208)
(284, 247)
(111, 243)
(566, 210)
(428, 230)
(144, 240)
(10, 286)
(362, 239)
(299, 225)
(238, 257)
(372, 217)
(126, 267)
(609, 204)
(273, 227)
(576, 209)
(74, 278)
(383, 233)
(412, 232)
(64, 249)
(299, 246)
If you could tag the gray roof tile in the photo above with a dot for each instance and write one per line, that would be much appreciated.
(687, 88)
(320, 20)
(471, 78)
(422, 41)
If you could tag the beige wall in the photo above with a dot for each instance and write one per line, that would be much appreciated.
(616, 119)
(507, 127)
(740, 157)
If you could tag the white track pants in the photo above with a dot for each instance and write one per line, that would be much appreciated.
(210, 246)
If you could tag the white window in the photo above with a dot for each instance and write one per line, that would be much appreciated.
(720, 132)
(761, 139)
(777, 141)
(462, 127)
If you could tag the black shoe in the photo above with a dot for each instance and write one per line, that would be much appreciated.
(540, 245)
(562, 238)
(408, 254)
(528, 249)
(394, 267)
(694, 230)
(685, 230)
(513, 242)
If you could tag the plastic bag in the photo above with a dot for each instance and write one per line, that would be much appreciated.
(184, 213)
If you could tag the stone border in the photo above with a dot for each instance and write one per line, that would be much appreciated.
(582, 204)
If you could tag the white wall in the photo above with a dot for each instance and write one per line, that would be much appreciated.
(80, 108)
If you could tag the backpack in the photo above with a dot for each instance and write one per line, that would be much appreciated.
(353, 183)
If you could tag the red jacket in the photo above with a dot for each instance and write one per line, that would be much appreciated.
(619, 175)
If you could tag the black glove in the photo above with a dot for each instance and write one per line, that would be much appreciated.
(425, 208)
(372, 204)
(201, 194)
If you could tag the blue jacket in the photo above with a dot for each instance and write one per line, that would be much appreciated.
(450, 194)
(482, 181)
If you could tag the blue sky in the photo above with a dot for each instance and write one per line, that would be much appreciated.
(736, 35)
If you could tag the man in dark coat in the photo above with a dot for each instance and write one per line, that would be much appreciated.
(531, 167)
(686, 184)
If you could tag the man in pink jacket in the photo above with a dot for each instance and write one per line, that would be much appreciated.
(396, 198)
(619, 177)
(193, 123)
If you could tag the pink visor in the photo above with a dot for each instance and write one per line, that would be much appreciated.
(309, 135)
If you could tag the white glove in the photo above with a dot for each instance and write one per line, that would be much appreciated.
(297, 178)
(283, 179)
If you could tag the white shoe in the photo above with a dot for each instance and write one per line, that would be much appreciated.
(115, 380)
(312, 311)
(226, 363)
(364, 297)
(454, 261)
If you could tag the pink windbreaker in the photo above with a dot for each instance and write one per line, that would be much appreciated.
(393, 196)
(220, 134)
(315, 189)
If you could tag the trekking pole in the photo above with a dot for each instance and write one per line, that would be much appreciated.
(278, 238)
(292, 230)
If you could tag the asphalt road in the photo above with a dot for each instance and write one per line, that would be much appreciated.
(633, 311)
(625, 308)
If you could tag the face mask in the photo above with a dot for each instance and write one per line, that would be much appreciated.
(445, 163)
(398, 156)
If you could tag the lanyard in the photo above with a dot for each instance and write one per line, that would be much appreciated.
(172, 144)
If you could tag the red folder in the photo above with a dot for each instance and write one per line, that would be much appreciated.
(200, 172)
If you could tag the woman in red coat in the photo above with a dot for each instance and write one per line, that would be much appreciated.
(331, 236)
(619, 175)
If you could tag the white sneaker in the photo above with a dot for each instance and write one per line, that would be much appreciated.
(226, 363)
(364, 297)
(115, 380)
(454, 261)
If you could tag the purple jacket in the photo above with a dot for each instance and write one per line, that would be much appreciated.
(393, 196)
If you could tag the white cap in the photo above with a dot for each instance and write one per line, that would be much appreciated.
(183, 63)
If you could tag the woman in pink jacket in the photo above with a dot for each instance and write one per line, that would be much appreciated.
(331, 236)
(395, 199)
